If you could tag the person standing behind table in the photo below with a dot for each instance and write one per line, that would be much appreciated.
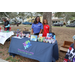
(37, 26)
(45, 28)
(6, 24)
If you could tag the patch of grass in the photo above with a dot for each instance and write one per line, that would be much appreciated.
(21, 58)
(7, 52)
(70, 27)
(28, 25)
(3, 54)
(25, 60)
(57, 26)
(1, 47)
(18, 60)
(0, 52)
(13, 60)
(8, 58)
(63, 26)
(7, 47)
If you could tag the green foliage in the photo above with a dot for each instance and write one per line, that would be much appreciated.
(21, 15)
(1, 47)
(7, 47)
(12, 59)
(8, 58)
(7, 52)
(18, 60)
(3, 54)
(0, 52)
(66, 15)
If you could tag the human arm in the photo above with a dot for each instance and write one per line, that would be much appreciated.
(41, 29)
(32, 29)
(7, 26)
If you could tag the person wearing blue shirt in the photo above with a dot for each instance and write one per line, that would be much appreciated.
(37, 26)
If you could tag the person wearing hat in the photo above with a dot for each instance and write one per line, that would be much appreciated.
(70, 55)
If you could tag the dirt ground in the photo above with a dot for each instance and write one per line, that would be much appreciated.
(62, 34)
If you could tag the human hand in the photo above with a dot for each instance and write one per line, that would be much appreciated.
(38, 35)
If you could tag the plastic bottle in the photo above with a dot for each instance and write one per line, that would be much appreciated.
(54, 37)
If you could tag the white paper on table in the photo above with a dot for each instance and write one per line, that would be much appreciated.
(40, 35)
(17, 37)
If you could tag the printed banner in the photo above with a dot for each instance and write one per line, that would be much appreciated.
(44, 52)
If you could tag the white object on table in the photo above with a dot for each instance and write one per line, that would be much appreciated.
(5, 35)
(2, 30)
(17, 37)
(40, 35)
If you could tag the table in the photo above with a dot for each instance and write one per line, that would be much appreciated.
(43, 52)
(4, 35)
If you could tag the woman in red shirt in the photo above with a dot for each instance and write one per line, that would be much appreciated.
(45, 28)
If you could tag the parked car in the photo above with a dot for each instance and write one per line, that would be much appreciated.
(1, 22)
(27, 23)
(71, 25)
(58, 24)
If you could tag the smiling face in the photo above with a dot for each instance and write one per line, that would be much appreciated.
(38, 19)
(45, 21)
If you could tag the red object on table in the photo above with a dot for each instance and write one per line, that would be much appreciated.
(10, 29)
(0, 28)
(5, 29)
(17, 35)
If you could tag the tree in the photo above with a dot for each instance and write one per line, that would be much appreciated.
(4, 14)
(40, 13)
(48, 16)
(22, 15)
(66, 15)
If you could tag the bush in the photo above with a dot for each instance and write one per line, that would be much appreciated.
(2, 23)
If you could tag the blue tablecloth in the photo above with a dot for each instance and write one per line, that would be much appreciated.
(43, 52)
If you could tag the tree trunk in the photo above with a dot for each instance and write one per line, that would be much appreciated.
(48, 16)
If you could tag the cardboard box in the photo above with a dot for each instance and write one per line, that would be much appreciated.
(65, 46)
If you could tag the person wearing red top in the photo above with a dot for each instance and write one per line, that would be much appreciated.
(45, 28)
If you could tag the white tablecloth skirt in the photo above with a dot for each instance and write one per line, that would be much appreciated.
(4, 36)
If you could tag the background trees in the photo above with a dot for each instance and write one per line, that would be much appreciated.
(66, 15)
